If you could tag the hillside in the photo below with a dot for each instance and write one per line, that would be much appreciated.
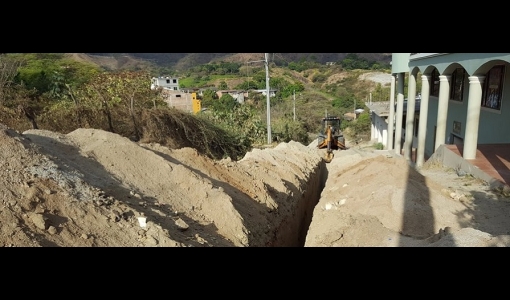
(111, 62)
(182, 61)
(95, 188)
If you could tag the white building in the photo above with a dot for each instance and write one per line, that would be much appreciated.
(169, 83)
(465, 100)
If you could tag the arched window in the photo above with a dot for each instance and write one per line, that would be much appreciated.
(457, 84)
(493, 87)
(434, 79)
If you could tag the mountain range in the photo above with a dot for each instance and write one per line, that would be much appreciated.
(182, 61)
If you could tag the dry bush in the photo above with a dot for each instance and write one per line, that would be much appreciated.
(167, 126)
(13, 119)
(176, 129)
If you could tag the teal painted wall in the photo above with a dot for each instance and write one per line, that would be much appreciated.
(493, 126)
(400, 62)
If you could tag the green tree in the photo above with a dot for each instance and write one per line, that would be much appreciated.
(225, 103)
(222, 85)
(362, 124)
(52, 74)
(208, 98)
(8, 70)
(346, 102)
(247, 85)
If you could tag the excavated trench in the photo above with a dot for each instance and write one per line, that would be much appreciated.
(293, 230)
(267, 199)
(317, 184)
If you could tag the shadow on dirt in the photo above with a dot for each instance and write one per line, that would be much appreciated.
(285, 226)
(483, 211)
(75, 172)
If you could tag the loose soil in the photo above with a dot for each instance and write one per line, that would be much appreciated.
(94, 188)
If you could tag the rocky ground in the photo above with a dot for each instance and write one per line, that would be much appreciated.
(97, 189)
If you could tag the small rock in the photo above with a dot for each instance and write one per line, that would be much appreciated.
(84, 236)
(200, 239)
(115, 216)
(151, 241)
(38, 220)
(181, 224)
(52, 230)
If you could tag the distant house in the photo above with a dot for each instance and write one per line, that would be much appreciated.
(353, 115)
(272, 92)
(178, 99)
(199, 91)
(169, 83)
(239, 95)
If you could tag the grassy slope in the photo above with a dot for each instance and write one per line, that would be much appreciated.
(311, 104)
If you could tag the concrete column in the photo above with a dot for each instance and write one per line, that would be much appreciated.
(379, 130)
(473, 117)
(391, 116)
(442, 110)
(422, 127)
(411, 104)
(400, 114)
(373, 128)
(384, 134)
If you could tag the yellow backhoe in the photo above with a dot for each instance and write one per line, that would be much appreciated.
(331, 137)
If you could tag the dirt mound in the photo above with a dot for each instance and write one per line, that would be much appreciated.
(374, 198)
(92, 188)
(89, 187)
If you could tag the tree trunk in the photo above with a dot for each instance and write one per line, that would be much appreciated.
(137, 133)
(108, 116)
(29, 113)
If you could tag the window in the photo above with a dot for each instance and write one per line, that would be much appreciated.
(493, 87)
(174, 80)
(457, 84)
(168, 81)
(434, 86)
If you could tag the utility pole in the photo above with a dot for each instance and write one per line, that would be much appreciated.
(294, 105)
(269, 140)
(268, 102)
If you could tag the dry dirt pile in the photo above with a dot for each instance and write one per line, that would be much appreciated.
(89, 187)
(94, 188)
(372, 198)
